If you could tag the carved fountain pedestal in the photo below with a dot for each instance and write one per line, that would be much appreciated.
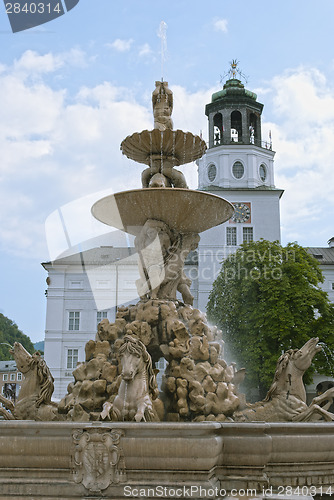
(196, 451)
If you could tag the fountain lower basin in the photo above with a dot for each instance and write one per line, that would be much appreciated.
(69, 460)
(183, 210)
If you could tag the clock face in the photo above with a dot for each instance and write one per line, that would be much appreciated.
(242, 212)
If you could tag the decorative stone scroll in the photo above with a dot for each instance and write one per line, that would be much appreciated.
(98, 459)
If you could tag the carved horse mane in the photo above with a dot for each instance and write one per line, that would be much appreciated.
(34, 400)
(135, 346)
(286, 398)
(46, 380)
(138, 387)
(282, 363)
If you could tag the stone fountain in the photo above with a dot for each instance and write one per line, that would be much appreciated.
(118, 436)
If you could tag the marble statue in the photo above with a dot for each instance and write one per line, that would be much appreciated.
(161, 171)
(117, 381)
(161, 259)
(34, 399)
(162, 101)
(286, 398)
(138, 387)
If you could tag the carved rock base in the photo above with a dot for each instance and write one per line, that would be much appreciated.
(198, 385)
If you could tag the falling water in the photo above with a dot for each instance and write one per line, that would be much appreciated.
(162, 150)
(173, 147)
(6, 343)
(125, 404)
(328, 356)
(151, 147)
(184, 147)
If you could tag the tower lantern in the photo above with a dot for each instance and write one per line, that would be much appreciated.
(234, 113)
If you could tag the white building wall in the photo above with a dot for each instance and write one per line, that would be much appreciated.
(328, 284)
(225, 156)
(213, 250)
(85, 290)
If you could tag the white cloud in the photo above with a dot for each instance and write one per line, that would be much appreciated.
(57, 148)
(77, 58)
(303, 136)
(145, 50)
(121, 45)
(27, 109)
(220, 25)
(31, 61)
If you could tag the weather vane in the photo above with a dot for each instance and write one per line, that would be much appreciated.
(233, 72)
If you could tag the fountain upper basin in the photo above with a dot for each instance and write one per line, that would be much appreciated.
(181, 147)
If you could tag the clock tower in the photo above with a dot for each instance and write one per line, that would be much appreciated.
(238, 166)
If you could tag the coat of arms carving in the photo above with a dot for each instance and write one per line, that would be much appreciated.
(98, 458)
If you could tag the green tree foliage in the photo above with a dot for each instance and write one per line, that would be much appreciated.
(267, 299)
(9, 333)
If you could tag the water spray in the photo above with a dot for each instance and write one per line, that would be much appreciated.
(6, 343)
(328, 356)
(162, 34)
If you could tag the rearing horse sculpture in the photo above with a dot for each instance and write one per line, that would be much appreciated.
(286, 398)
(34, 400)
(138, 387)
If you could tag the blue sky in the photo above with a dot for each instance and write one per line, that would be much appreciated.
(72, 89)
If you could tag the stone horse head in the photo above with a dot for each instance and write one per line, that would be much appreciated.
(38, 381)
(135, 360)
(290, 369)
(138, 387)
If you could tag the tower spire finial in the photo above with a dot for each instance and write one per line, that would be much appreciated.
(233, 72)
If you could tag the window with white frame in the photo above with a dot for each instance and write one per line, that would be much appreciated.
(5, 377)
(247, 234)
(76, 284)
(101, 315)
(19, 376)
(231, 236)
(72, 358)
(128, 285)
(12, 377)
(103, 284)
(74, 320)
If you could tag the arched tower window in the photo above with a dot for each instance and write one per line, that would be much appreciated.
(218, 129)
(236, 126)
(253, 128)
